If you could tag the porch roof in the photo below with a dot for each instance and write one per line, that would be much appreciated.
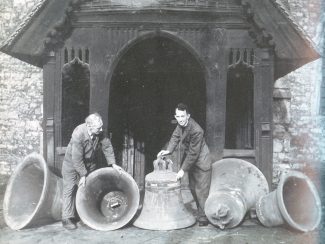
(293, 48)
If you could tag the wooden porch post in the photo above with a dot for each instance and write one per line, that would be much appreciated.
(264, 80)
(48, 105)
(216, 92)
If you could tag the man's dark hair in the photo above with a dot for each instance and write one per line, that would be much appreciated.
(182, 107)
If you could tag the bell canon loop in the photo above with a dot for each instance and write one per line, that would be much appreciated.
(163, 207)
(235, 187)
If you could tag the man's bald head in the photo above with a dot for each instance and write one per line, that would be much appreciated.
(95, 123)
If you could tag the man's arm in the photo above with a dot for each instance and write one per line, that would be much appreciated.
(174, 140)
(193, 150)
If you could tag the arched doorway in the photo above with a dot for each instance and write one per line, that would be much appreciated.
(147, 83)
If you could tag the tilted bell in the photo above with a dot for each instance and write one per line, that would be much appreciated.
(295, 203)
(236, 185)
(163, 207)
(109, 200)
(33, 195)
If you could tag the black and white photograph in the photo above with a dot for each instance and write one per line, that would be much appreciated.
(162, 121)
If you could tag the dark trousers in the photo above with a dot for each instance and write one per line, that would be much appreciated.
(70, 187)
(199, 183)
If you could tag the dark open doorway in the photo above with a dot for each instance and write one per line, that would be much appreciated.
(75, 96)
(150, 79)
(239, 132)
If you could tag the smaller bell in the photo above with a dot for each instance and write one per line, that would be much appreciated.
(163, 206)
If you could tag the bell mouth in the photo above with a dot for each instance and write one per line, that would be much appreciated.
(109, 200)
(25, 192)
(299, 202)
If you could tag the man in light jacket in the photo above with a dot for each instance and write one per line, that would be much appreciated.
(80, 159)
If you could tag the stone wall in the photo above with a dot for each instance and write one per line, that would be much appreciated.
(21, 97)
(299, 130)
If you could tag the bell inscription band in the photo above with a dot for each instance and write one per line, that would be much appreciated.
(163, 207)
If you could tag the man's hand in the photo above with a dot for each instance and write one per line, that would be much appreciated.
(180, 174)
(82, 181)
(118, 168)
(163, 153)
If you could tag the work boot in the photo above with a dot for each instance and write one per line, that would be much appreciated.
(203, 221)
(68, 224)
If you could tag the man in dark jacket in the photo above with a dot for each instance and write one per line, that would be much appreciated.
(79, 160)
(194, 157)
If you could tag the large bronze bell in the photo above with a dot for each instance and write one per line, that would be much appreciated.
(295, 203)
(163, 207)
(109, 200)
(33, 195)
(236, 185)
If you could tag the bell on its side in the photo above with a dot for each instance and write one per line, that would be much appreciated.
(236, 185)
(109, 200)
(295, 202)
(163, 206)
(33, 195)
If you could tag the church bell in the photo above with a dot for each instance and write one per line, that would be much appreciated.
(109, 200)
(236, 185)
(163, 206)
(295, 203)
(33, 195)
